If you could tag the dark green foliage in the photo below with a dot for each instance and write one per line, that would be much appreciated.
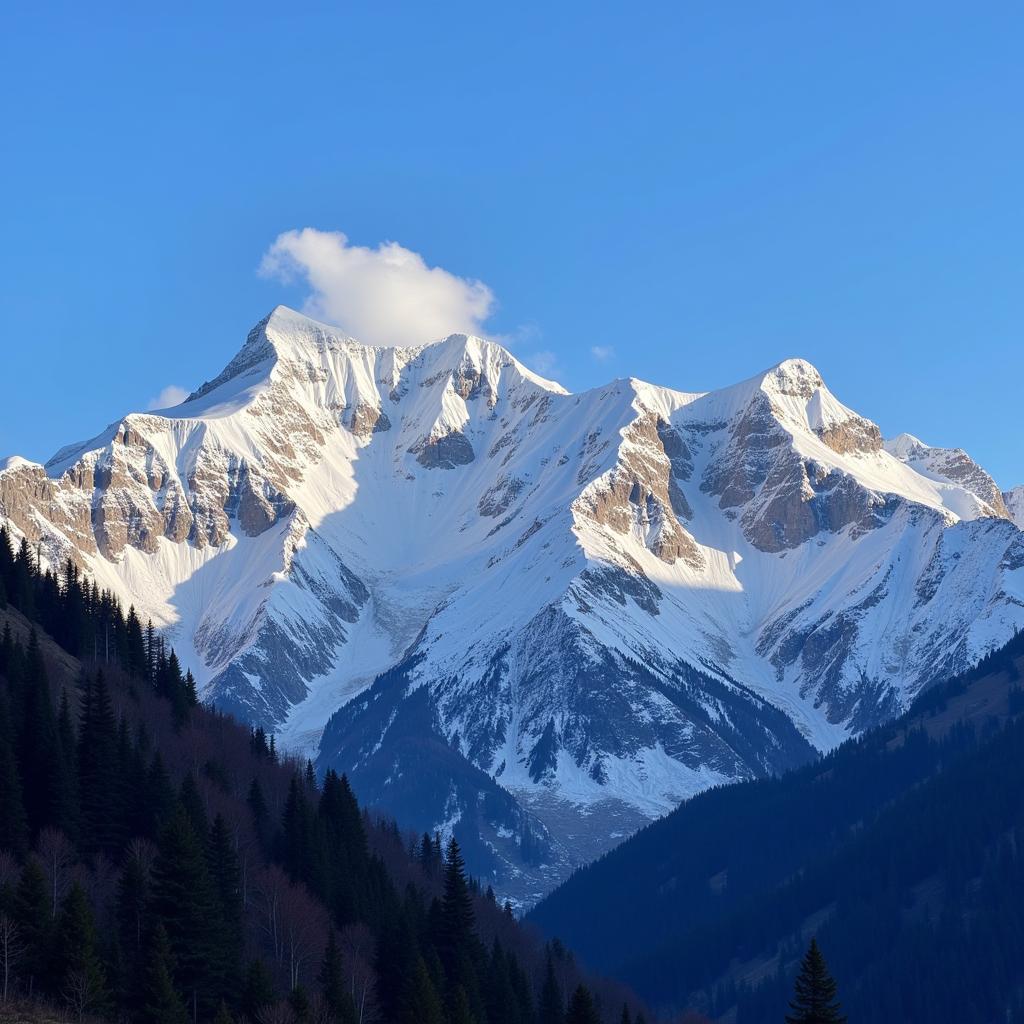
(332, 982)
(907, 842)
(258, 990)
(183, 899)
(814, 992)
(552, 1007)
(31, 907)
(175, 844)
(77, 962)
(581, 1008)
(160, 1002)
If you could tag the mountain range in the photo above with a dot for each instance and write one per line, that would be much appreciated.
(533, 618)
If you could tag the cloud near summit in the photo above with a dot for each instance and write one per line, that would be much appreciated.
(382, 296)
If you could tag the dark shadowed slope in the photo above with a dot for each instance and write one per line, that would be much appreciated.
(902, 851)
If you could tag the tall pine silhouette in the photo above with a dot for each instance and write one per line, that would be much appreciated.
(814, 993)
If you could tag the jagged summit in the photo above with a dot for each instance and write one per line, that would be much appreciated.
(446, 575)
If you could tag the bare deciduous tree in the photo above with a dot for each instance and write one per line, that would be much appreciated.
(56, 856)
(357, 949)
(79, 993)
(303, 923)
(276, 1013)
(11, 951)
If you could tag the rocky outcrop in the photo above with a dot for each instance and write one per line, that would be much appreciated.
(446, 451)
(642, 493)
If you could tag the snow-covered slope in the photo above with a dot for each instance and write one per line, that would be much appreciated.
(504, 608)
(1014, 501)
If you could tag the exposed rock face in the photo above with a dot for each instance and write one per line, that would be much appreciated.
(368, 419)
(444, 452)
(953, 466)
(642, 494)
(513, 607)
(853, 435)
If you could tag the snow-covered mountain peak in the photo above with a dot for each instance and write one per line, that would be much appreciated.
(617, 597)
(950, 467)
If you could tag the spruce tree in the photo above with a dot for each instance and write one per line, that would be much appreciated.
(160, 1002)
(421, 1004)
(13, 822)
(183, 899)
(551, 1009)
(32, 914)
(814, 992)
(78, 962)
(258, 990)
(332, 982)
(581, 1008)
(457, 918)
(226, 878)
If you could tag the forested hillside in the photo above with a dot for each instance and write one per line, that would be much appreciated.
(161, 864)
(903, 852)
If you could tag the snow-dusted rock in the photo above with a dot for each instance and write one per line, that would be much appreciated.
(522, 613)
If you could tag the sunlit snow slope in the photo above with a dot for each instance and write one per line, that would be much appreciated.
(569, 603)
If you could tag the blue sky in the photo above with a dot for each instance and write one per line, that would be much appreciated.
(684, 192)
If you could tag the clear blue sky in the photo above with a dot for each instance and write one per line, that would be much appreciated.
(698, 190)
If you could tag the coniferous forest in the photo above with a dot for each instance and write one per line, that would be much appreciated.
(901, 851)
(160, 863)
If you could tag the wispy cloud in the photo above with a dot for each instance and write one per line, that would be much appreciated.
(170, 396)
(384, 296)
(602, 353)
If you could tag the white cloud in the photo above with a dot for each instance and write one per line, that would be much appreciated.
(383, 296)
(602, 353)
(171, 395)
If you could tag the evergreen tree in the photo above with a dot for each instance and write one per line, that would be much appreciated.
(226, 878)
(183, 900)
(258, 990)
(13, 823)
(32, 914)
(581, 1008)
(332, 982)
(457, 918)
(421, 1004)
(551, 1009)
(132, 916)
(38, 752)
(78, 964)
(160, 1002)
(99, 771)
(814, 992)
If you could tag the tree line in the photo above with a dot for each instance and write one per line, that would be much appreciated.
(160, 863)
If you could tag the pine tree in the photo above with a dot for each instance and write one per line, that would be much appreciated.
(32, 914)
(183, 900)
(226, 878)
(258, 990)
(332, 982)
(421, 1004)
(13, 823)
(551, 1009)
(457, 918)
(160, 1002)
(814, 992)
(581, 1008)
(99, 771)
(78, 961)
